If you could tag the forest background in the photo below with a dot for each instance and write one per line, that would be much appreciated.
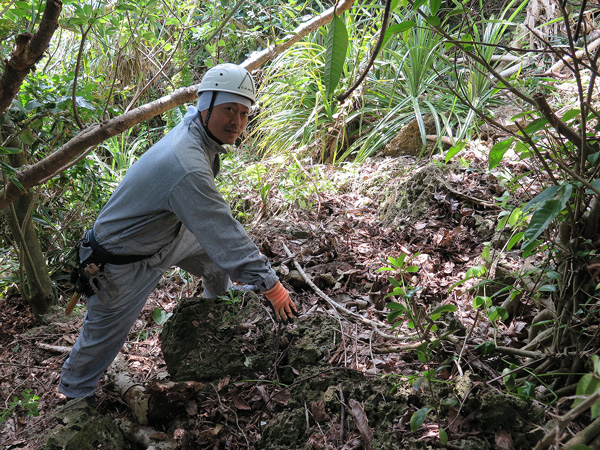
(88, 87)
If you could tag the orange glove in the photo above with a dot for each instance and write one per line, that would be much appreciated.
(282, 303)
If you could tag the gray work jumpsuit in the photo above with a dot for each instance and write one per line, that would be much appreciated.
(168, 206)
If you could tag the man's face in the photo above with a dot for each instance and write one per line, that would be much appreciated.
(227, 121)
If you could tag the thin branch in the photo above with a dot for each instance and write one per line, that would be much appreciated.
(341, 309)
(77, 67)
(386, 17)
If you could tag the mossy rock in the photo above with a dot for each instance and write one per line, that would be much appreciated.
(321, 386)
(208, 339)
(82, 428)
(414, 198)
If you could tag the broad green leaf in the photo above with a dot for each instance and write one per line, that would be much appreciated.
(596, 184)
(571, 114)
(417, 4)
(396, 29)
(434, 21)
(487, 348)
(531, 248)
(593, 158)
(32, 105)
(522, 149)
(509, 380)
(514, 240)
(160, 316)
(496, 313)
(419, 417)
(546, 213)
(536, 125)
(515, 216)
(581, 447)
(497, 152)
(443, 436)
(540, 198)
(436, 313)
(588, 385)
(453, 151)
(434, 6)
(9, 150)
(596, 364)
(85, 104)
(476, 271)
(335, 56)
(527, 390)
(480, 301)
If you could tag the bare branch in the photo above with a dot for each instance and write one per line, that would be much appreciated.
(29, 49)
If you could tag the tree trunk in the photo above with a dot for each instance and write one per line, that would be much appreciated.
(36, 288)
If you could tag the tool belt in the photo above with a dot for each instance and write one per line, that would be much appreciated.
(88, 275)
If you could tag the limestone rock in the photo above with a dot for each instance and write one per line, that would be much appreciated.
(408, 141)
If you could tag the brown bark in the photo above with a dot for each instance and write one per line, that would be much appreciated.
(29, 49)
(36, 286)
(55, 163)
(156, 402)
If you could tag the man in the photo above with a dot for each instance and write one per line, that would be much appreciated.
(167, 212)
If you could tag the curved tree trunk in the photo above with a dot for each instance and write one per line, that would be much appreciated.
(36, 286)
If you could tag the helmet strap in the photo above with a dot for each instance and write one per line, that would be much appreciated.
(205, 122)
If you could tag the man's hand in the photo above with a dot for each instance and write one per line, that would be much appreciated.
(282, 303)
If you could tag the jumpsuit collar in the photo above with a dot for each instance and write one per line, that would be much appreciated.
(192, 120)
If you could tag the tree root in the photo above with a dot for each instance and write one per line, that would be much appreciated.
(157, 402)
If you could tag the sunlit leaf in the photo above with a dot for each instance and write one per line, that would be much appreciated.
(514, 240)
(396, 29)
(335, 56)
(497, 152)
(455, 149)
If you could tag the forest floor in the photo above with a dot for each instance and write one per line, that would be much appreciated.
(441, 217)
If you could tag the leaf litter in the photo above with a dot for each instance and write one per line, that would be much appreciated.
(362, 380)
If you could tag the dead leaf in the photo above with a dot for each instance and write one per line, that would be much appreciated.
(191, 408)
(504, 441)
(282, 397)
(241, 404)
(362, 423)
(224, 382)
(317, 409)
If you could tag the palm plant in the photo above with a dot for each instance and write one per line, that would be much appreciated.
(298, 113)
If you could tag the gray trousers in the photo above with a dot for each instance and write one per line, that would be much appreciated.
(107, 321)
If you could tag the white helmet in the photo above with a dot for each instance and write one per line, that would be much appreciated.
(229, 78)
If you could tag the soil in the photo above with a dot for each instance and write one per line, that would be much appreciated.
(330, 380)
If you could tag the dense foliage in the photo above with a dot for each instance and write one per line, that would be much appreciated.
(459, 64)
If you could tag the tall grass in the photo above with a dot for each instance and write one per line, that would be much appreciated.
(413, 76)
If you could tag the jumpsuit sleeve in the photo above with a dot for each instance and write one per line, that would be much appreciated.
(196, 201)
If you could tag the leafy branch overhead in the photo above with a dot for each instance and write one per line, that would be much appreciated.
(55, 163)
(28, 50)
